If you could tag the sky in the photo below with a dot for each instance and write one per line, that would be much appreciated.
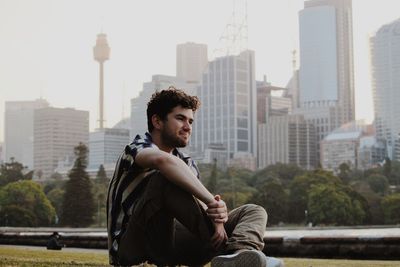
(46, 46)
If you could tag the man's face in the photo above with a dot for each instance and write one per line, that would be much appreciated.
(177, 127)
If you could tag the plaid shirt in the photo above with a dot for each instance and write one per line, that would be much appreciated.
(125, 187)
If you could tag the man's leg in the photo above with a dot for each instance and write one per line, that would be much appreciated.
(153, 229)
(245, 228)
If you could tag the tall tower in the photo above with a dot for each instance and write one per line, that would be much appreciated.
(326, 76)
(385, 54)
(101, 53)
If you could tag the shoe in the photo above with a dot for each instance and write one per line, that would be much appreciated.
(274, 262)
(245, 258)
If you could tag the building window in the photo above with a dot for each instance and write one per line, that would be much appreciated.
(242, 123)
(242, 146)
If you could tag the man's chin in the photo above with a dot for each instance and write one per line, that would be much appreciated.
(182, 144)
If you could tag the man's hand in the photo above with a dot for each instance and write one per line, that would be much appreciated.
(217, 210)
(219, 238)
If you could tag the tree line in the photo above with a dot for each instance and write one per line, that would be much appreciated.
(76, 202)
(290, 195)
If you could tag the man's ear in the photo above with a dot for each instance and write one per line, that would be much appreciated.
(157, 121)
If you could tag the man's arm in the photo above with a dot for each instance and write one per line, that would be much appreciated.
(175, 170)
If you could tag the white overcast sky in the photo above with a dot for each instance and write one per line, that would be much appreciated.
(46, 46)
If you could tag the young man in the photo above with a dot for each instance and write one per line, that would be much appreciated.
(159, 211)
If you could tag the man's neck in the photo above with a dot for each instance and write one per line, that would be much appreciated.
(156, 137)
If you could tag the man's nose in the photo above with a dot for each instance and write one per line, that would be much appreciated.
(187, 126)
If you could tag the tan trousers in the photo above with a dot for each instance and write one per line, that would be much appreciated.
(168, 227)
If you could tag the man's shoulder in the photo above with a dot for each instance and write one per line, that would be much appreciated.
(141, 139)
(139, 142)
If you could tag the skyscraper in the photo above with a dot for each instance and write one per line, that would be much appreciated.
(326, 76)
(228, 112)
(385, 60)
(191, 61)
(56, 131)
(18, 135)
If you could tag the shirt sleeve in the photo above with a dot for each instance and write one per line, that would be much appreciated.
(138, 144)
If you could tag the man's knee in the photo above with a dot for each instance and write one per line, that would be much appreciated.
(256, 211)
(156, 186)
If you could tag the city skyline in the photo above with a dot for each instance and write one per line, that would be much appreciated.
(46, 54)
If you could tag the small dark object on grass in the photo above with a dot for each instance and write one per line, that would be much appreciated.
(53, 243)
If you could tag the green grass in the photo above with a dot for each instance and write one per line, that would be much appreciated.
(15, 256)
(40, 257)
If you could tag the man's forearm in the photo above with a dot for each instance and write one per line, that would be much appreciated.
(175, 170)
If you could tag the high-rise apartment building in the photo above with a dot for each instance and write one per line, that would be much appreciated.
(56, 131)
(105, 146)
(326, 76)
(385, 61)
(139, 104)
(287, 139)
(191, 61)
(18, 134)
(228, 115)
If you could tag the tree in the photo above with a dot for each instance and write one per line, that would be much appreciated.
(284, 172)
(332, 205)
(13, 171)
(56, 176)
(78, 205)
(391, 208)
(100, 197)
(299, 190)
(274, 199)
(378, 183)
(395, 173)
(56, 197)
(233, 186)
(387, 167)
(25, 204)
(212, 180)
(101, 176)
(39, 174)
(375, 213)
(344, 172)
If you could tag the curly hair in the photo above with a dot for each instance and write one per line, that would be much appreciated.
(163, 102)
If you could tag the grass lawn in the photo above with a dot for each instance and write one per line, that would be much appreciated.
(40, 257)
